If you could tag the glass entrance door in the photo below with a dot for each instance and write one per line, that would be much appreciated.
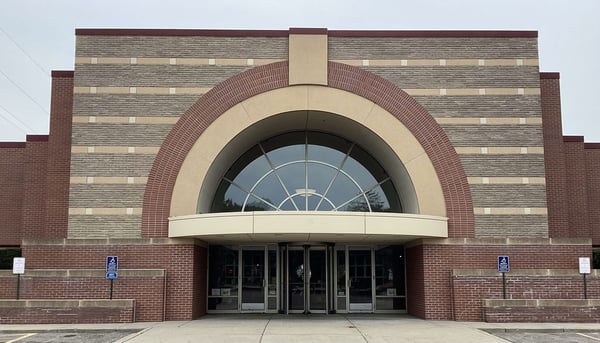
(253, 279)
(360, 280)
(307, 279)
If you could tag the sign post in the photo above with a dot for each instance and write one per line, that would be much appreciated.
(112, 270)
(584, 268)
(503, 267)
(18, 268)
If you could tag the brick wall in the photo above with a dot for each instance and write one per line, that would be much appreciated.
(66, 312)
(432, 277)
(59, 155)
(469, 290)
(35, 190)
(12, 163)
(578, 311)
(146, 287)
(592, 158)
(180, 262)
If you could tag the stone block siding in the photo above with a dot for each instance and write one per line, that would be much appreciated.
(488, 106)
(91, 134)
(427, 48)
(99, 195)
(524, 165)
(103, 226)
(181, 47)
(102, 164)
(459, 76)
(66, 312)
(509, 195)
(131, 74)
(513, 225)
(132, 105)
(124, 75)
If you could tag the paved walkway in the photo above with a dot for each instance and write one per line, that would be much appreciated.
(313, 328)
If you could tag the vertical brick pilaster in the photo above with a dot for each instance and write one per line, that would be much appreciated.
(35, 190)
(554, 156)
(12, 164)
(59, 154)
(576, 199)
(592, 160)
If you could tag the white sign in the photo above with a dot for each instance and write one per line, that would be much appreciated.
(19, 265)
(584, 265)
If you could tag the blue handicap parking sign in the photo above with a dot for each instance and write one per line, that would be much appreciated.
(112, 267)
(503, 264)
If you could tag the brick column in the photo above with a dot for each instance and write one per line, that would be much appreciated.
(59, 154)
(554, 157)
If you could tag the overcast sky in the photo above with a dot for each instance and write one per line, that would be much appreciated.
(37, 36)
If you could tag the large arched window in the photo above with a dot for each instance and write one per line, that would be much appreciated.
(306, 171)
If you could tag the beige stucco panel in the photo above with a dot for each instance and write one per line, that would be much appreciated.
(308, 59)
(212, 224)
(427, 186)
(277, 101)
(308, 222)
(412, 225)
(197, 163)
(338, 101)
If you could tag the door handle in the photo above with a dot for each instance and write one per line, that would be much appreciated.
(263, 283)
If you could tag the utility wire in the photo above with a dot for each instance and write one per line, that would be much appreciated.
(42, 69)
(14, 117)
(24, 92)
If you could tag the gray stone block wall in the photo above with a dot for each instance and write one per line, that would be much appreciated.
(206, 76)
(488, 106)
(430, 48)
(132, 105)
(182, 47)
(123, 135)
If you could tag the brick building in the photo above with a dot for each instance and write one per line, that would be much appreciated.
(304, 170)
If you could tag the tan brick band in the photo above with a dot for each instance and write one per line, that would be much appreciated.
(511, 210)
(204, 90)
(104, 211)
(262, 61)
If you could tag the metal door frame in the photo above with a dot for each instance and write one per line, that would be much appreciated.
(306, 284)
(264, 280)
(372, 254)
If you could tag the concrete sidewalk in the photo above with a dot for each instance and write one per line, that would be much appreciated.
(312, 328)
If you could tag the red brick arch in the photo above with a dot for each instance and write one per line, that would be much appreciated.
(161, 181)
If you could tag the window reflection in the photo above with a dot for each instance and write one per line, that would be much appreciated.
(306, 171)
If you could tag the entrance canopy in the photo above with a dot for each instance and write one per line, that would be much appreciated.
(308, 226)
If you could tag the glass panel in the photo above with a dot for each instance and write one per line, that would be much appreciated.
(252, 172)
(296, 280)
(256, 204)
(389, 271)
(301, 177)
(318, 280)
(287, 154)
(253, 279)
(270, 189)
(341, 303)
(359, 173)
(377, 200)
(342, 190)
(223, 277)
(359, 269)
(319, 177)
(229, 198)
(390, 303)
(294, 179)
(272, 278)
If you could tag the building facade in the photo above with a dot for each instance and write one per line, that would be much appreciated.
(302, 171)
